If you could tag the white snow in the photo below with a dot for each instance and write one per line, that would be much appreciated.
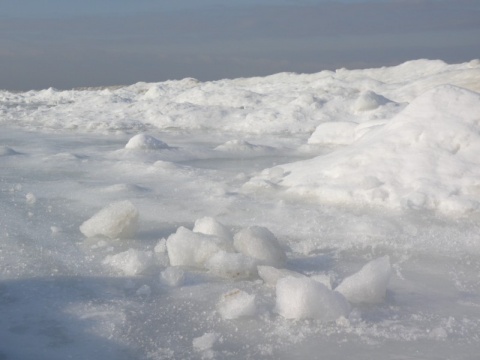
(369, 284)
(237, 304)
(280, 187)
(303, 298)
(261, 244)
(117, 220)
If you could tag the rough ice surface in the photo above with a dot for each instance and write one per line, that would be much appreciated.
(237, 304)
(303, 298)
(344, 167)
(145, 142)
(130, 262)
(261, 244)
(369, 284)
(117, 220)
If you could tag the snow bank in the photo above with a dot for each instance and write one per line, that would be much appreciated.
(187, 248)
(117, 220)
(130, 262)
(261, 244)
(369, 100)
(237, 304)
(426, 157)
(145, 142)
(368, 285)
(302, 298)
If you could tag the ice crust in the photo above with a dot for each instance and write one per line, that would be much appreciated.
(117, 220)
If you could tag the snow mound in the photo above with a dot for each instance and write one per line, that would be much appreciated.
(237, 304)
(130, 262)
(334, 133)
(369, 100)
(426, 157)
(145, 142)
(231, 265)
(210, 226)
(368, 285)
(261, 244)
(187, 248)
(117, 220)
(270, 275)
(302, 298)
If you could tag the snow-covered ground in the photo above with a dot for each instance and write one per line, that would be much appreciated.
(332, 215)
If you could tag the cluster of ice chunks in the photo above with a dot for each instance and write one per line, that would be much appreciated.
(252, 252)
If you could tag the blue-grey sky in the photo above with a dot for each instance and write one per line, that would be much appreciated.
(71, 43)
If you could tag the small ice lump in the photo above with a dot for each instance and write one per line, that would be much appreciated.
(303, 298)
(237, 304)
(117, 220)
(261, 244)
(368, 285)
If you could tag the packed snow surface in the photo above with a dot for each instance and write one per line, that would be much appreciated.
(291, 216)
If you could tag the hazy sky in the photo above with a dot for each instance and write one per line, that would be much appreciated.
(71, 43)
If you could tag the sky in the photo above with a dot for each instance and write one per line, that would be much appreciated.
(68, 43)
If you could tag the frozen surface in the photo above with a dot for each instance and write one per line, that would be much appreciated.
(367, 181)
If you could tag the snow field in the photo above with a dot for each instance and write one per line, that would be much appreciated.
(268, 218)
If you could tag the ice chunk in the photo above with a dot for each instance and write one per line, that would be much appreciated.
(259, 243)
(172, 276)
(210, 226)
(270, 275)
(130, 262)
(205, 342)
(301, 298)
(187, 248)
(236, 304)
(31, 199)
(369, 284)
(117, 220)
(232, 265)
(145, 142)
